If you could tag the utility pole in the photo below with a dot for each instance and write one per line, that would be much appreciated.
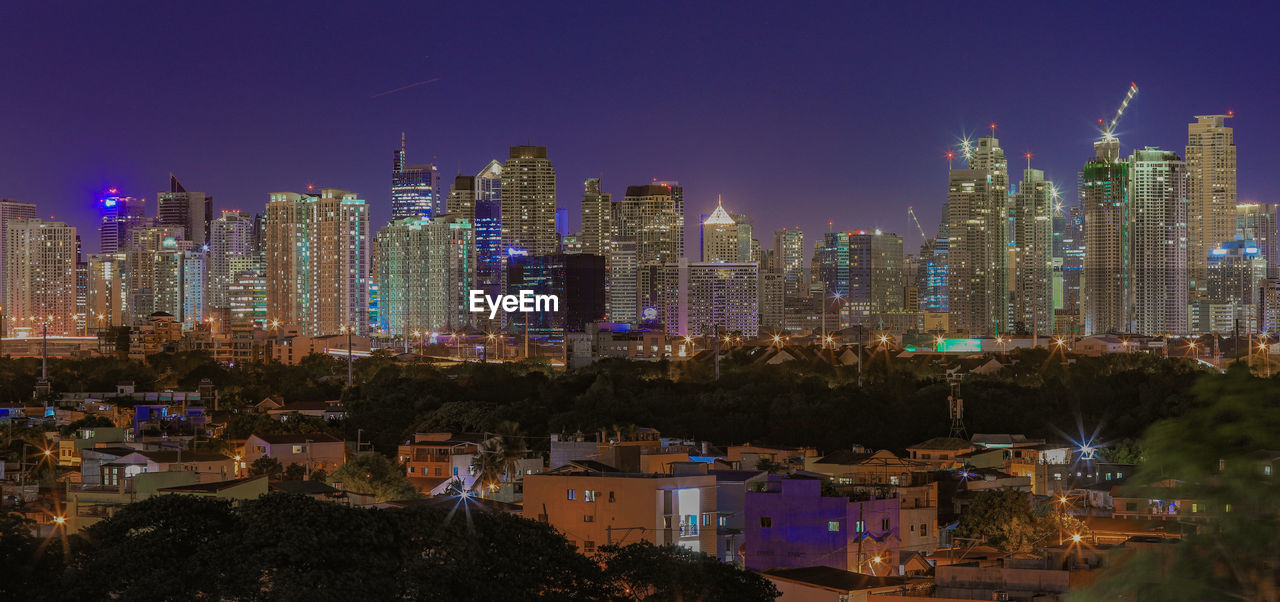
(350, 361)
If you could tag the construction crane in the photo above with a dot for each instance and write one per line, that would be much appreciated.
(1109, 132)
(928, 243)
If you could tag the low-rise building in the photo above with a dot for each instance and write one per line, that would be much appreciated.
(314, 451)
(598, 507)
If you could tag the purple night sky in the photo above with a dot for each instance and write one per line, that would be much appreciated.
(797, 113)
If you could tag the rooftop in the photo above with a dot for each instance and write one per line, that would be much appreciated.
(210, 487)
(833, 578)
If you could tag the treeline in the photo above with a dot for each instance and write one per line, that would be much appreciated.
(286, 547)
(900, 401)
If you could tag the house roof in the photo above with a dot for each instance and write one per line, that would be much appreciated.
(734, 476)
(303, 487)
(288, 438)
(833, 578)
(844, 456)
(210, 487)
(943, 443)
(170, 456)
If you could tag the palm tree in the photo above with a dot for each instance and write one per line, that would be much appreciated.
(488, 466)
(511, 448)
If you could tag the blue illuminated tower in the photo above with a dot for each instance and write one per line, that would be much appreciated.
(415, 189)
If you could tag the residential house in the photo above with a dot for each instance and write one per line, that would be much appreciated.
(731, 497)
(247, 488)
(597, 507)
(861, 467)
(827, 584)
(940, 453)
(791, 524)
(314, 451)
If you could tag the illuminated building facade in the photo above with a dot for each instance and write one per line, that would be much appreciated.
(40, 275)
(107, 299)
(576, 280)
(415, 189)
(720, 237)
(977, 252)
(1257, 222)
(1158, 193)
(702, 298)
(425, 269)
(1211, 192)
(788, 254)
(230, 238)
(1104, 196)
(1033, 267)
(529, 201)
(597, 218)
(317, 253)
(10, 211)
(1237, 273)
(122, 216)
(491, 256)
(190, 211)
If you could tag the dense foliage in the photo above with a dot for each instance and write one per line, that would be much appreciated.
(903, 400)
(283, 547)
(1222, 453)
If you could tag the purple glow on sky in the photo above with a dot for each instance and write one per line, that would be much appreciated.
(796, 114)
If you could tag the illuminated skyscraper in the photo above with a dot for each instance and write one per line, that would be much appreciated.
(121, 217)
(597, 218)
(576, 280)
(1237, 274)
(701, 298)
(1211, 192)
(788, 253)
(1158, 193)
(1257, 222)
(529, 201)
(1033, 239)
(317, 251)
(194, 286)
(977, 247)
(107, 300)
(652, 216)
(491, 256)
(415, 189)
(11, 211)
(720, 238)
(1104, 194)
(462, 197)
(153, 278)
(1073, 254)
(862, 275)
(425, 270)
(190, 211)
(40, 275)
(230, 238)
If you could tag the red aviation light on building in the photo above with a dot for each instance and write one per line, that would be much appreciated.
(1231, 113)
(311, 186)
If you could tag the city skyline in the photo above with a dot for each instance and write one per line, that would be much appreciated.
(627, 142)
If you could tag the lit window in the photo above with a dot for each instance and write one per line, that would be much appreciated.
(860, 527)
(573, 494)
(833, 526)
(588, 495)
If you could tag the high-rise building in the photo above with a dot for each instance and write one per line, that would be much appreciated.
(247, 294)
(153, 279)
(1158, 194)
(11, 211)
(623, 282)
(1237, 274)
(772, 301)
(462, 197)
(576, 280)
(861, 273)
(230, 238)
(317, 253)
(121, 217)
(720, 237)
(491, 256)
(415, 189)
(977, 248)
(1104, 196)
(702, 298)
(107, 298)
(425, 270)
(529, 201)
(1211, 192)
(597, 218)
(194, 286)
(654, 215)
(788, 253)
(40, 275)
(1269, 306)
(1257, 222)
(1072, 256)
(1033, 239)
(190, 211)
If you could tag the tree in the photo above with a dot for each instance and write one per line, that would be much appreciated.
(268, 466)
(372, 473)
(1219, 454)
(1004, 518)
(29, 566)
(294, 472)
(643, 571)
